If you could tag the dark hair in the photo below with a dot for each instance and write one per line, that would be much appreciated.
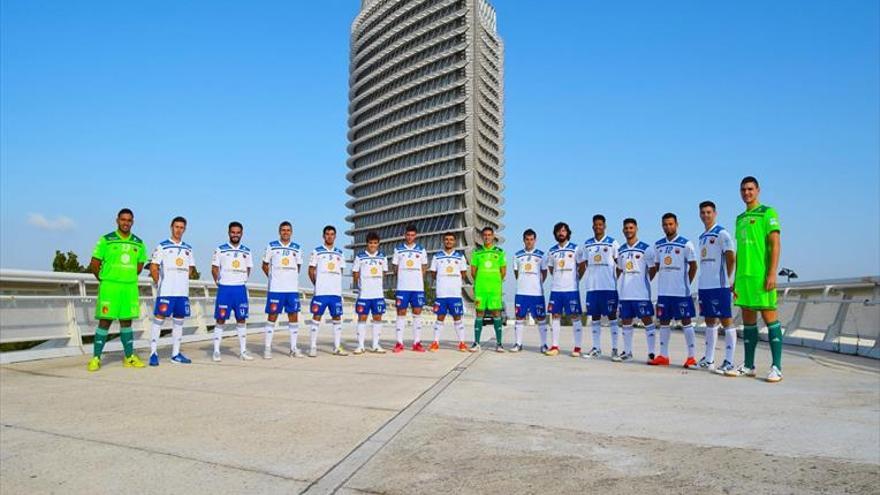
(411, 228)
(447, 234)
(178, 219)
(487, 228)
(559, 226)
(235, 224)
(599, 216)
(748, 179)
(670, 215)
(328, 228)
(705, 204)
(372, 236)
(529, 232)
(124, 211)
(285, 224)
(630, 220)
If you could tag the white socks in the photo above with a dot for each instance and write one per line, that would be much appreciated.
(337, 334)
(400, 324)
(664, 340)
(555, 328)
(155, 331)
(313, 333)
(711, 338)
(218, 336)
(417, 329)
(651, 336)
(596, 327)
(691, 339)
(361, 333)
(438, 325)
(578, 329)
(241, 330)
(729, 343)
(176, 335)
(627, 339)
(459, 330)
(377, 332)
(518, 331)
(267, 331)
(614, 333)
(542, 331)
(293, 328)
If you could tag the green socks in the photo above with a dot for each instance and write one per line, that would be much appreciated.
(750, 343)
(478, 329)
(496, 322)
(100, 340)
(127, 337)
(774, 333)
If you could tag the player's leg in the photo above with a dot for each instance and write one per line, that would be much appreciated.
(161, 310)
(126, 335)
(377, 328)
(498, 325)
(336, 315)
(317, 307)
(241, 316)
(441, 308)
(650, 333)
(774, 335)
(479, 314)
(627, 330)
(611, 312)
(362, 311)
(221, 313)
(401, 301)
(750, 342)
(554, 308)
(709, 310)
(540, 314)
(690, 338)
(273, 308)
(594, 312)
(729, 346)
(664, 310)
(418, 302)
(98, 345)
(577, 326)
(293, 325)
(181, 311)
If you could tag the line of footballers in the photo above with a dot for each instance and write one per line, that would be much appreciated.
(618, 281)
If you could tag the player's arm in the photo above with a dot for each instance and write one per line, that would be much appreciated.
(215, 272)
(97, 258)
(312, 274)
(730, 261)
(653, 270)
(154, 272)
(692, 270)
(95, 268)
(543, 275)
(266, 268)
(355, 279)
(142, 258)
(775, 245)
(474, 271)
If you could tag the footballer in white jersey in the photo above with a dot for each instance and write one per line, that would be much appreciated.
(231, 266)
(449, 268)
(676, 268)
(530, 273)
(597, 257)
(171, 266)
(368, 272)
(561, 264)
(326, 265)
(410, 262)
(717, 260)
(635, 270)
(282, 262)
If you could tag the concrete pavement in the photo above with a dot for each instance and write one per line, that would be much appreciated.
(438, 423)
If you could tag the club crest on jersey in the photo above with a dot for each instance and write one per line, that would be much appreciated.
(711, 241)
(605, 249)
(638, 256)
(105, 309)
(163, 308)
(273, 307)
(561, 263)
(677, 251)
(751, 220)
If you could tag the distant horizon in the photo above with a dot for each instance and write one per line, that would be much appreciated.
(222, 113)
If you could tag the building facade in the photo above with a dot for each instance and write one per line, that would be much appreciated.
(425, 121)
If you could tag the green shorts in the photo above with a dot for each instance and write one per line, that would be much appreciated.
(750, 294)
(117, 301)
(487, 297)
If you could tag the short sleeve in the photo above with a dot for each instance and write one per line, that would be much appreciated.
(424, 258)
(464, 264)
(580, 255)
(655, 256)
(299, 257)
(341, 262)
(100, 249)
(250, 261)
(615, 249)
(690, 253)
(503, 262)
(726, 241)
(545, 261)
(384, 264)
(215, 258)
(356, 265)
(267, 256)
(395, 258)
(433, 267)
(142, 253)
(156, 257)
(192, 258)
(771, 221)
(313, 259)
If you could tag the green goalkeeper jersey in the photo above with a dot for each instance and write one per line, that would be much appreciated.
(752, 228)
(119, 257)
(488, 263)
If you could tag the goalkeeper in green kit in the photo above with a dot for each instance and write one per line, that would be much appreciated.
(488, 269)
(754, 288)
(117, 261)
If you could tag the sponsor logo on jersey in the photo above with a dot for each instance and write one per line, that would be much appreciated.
(374, 270)
(236, 263)
(704, 252)
(528, 267)
(125, 258)
(598, 257)
(629, 265)
(449, 269)
(178, 262)
(667, 260)
(410, 263)
(285, 261)
(331, 266)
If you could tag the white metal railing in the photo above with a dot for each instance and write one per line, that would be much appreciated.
(57, 309)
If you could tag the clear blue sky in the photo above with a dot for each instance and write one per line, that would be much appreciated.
(237, 110)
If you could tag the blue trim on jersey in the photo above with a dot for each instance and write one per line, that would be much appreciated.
(365, 255)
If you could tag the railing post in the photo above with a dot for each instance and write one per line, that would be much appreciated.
(73, 325)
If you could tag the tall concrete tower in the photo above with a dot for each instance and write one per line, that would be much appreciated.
(425, 121)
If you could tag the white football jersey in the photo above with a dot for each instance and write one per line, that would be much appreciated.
(408, 262)
(328, 265)
(234, 263)
(600, 256)
(714, 243)
(174, 261)
(447, 268)
(563, 263)
(634, 261)
(673, 258)
(371, 268)
(528, 266)
(284, 262)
